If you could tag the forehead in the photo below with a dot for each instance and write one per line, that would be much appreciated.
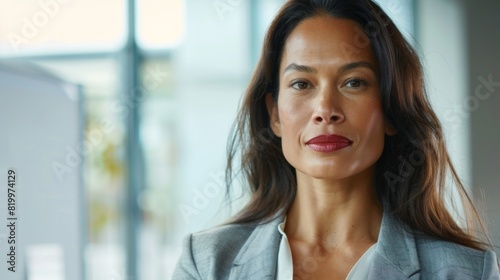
(324, 39)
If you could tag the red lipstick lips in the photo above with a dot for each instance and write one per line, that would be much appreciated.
(328, 143)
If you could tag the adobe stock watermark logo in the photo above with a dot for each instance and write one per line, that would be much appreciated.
(222, 7)
(372, 29)
(201, 198)
(309, 264)
(95, 137)
(30, 26)
(407, 166)
(483, 91)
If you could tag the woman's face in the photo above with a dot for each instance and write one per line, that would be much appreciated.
(328, 113)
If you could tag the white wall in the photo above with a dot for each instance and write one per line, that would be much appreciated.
(460, 46)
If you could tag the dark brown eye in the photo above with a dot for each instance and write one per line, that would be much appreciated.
(355, 83)
(300, 85)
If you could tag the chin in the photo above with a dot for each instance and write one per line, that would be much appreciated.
(326, 173)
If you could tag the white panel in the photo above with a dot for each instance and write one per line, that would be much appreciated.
(445, 66)
(40, 126)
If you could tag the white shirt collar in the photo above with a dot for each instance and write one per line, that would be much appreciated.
(285, 263)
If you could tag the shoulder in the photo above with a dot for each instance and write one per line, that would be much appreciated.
(226, 238)
(211, 252)
(441, 258)
(410, 252)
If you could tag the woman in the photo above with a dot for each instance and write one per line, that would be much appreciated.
(345, 161)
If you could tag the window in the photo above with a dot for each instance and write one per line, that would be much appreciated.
(191, 63)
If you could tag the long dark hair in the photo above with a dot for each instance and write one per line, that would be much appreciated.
(410, 174)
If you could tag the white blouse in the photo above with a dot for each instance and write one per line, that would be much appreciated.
(285, 264)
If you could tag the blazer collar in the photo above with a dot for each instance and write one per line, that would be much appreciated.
(258, 257)
(396, 252)
(396, 248)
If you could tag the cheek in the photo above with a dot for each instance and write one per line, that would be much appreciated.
(371, 126)
(293, 120)
(367, 116)
(375, 125)
(293, 115)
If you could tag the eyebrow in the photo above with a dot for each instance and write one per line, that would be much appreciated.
(343, 68)
(357, 64)
(299, 68)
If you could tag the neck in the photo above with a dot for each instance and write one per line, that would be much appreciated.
(333, 212)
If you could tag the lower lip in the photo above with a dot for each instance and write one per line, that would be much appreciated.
(328, 147)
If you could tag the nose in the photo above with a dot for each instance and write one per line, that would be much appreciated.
(328, 109)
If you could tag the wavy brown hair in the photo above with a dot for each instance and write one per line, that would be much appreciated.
(411, 173)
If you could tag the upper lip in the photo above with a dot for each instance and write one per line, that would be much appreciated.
(329, 138)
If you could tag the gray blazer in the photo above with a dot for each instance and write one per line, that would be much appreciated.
(239, 252)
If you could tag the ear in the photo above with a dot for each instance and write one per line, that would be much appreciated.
(272, 110)
(389, 128)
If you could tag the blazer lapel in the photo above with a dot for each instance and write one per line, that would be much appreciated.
(396, 254)
(258, 257)
(395, 258)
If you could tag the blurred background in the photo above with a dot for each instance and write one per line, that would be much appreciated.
(158, 84)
